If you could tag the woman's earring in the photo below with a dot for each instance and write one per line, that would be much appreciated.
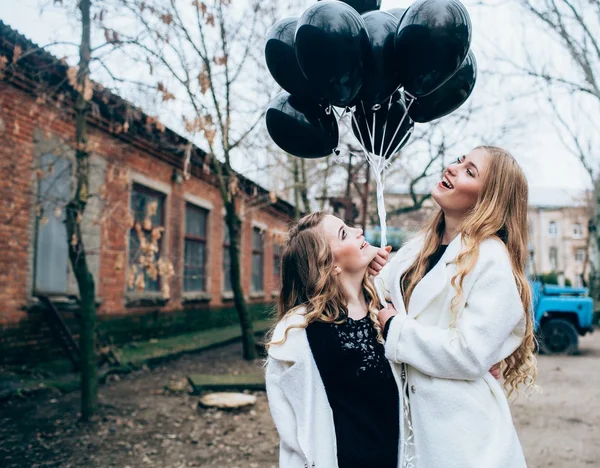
(337, 270)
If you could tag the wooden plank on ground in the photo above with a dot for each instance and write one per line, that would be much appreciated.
(225, 382)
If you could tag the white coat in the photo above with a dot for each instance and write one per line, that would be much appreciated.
(298, 402)
(460, 414)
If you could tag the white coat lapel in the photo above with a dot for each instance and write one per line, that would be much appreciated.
(399, 269)
(434, 282)
(301, 383)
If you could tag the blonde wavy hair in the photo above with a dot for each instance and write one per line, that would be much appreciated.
(308, 280)
(500, 212)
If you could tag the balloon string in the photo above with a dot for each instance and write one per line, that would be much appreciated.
(404, 138)
(400, 125)
(381, 208)
(385, 126)
(362, 142)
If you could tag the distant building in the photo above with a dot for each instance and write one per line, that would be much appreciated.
(558, 225)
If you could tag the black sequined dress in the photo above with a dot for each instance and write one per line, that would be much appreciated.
(361, 390)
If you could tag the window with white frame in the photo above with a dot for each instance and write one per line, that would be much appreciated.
(553, 229)
(195, 250)
(577, 231)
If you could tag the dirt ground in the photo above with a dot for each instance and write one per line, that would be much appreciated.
(143, 425)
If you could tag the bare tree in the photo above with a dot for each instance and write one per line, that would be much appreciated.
(208, 57)
(64, 92)
(570, 79)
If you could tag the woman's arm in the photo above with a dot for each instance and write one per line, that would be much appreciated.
(481, 338)
(290, 454)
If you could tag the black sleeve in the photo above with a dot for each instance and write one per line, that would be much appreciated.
(386, 329)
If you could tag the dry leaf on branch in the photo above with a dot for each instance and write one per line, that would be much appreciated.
(210, 134)
(157, 233)
(88, 90)
(166, 95)
(152, 208)
(17, 52)
(131, 275)
(220, 60)
(140, 284)
(203, 80)
(201, 6)
(167, 18)
(72, 76)
(233, 186)
(152, 271)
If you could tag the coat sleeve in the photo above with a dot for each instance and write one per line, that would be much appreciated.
(485, 333)
(290, 454)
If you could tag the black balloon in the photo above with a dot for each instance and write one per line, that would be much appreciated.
(331, 43)
(397, 12)
(448, 97)
(380, 74)
(432, 42)
(281, 58)
(363, 6)
(301, 127)
(387, 128)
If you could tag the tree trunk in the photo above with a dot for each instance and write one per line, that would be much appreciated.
(75, 210)
(234, 223)
(325, 192)
(296, 172)
(594, 283)
(304, 187)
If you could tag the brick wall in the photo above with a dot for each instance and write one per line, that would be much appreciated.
(25, 127)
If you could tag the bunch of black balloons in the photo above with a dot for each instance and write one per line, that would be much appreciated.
(387, 69)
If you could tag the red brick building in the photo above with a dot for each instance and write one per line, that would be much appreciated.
(135, 162)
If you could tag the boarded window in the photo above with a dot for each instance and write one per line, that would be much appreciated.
(194, 270)
(257, 260)
(147, 208)
(51, 248)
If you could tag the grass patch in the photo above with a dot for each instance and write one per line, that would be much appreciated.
(139, 353)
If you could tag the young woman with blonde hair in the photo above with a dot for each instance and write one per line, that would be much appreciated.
(461, 302)
(332, 393)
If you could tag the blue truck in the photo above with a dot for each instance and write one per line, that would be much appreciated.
(562, 314)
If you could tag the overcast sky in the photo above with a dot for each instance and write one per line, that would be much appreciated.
(541, 153)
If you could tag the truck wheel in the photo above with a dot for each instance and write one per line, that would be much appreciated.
(558, 337)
